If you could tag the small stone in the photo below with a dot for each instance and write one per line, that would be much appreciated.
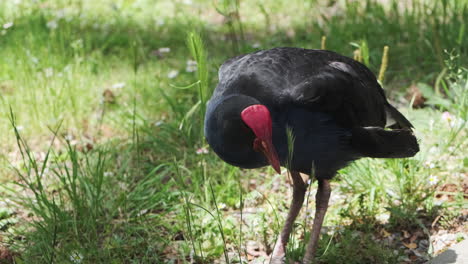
(423, 243)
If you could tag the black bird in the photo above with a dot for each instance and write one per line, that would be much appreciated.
(333, 105)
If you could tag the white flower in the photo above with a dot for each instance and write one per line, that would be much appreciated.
(158, 123)
(60, 13)
(119, 85)
(433, 180)
(8, 25)
(456, 122)
(391, 193)
(49, 72)
(383, 217)
(19, 128)
(76, 257)
(160, 22)
(164, 50)
(191, 66)
(446, 116)
(77, 44)
(254, 222)
(172, 74)
(67, 68)
(108, 173)
(431, 124)
(143, 212)
(256, 45)
(434, 150)
(429, 165)
(453, 121)
(52, 24)
(69, 137)
(202, 151)
(34, 60)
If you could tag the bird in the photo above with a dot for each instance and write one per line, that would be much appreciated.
(310, 111)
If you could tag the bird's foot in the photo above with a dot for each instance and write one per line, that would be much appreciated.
(282, 260)
(278, 256)
(278, 260)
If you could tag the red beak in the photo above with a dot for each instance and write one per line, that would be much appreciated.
(267, 148)
(258, 118)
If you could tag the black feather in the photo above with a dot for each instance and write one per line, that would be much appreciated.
(399, 119)
(328, 100)
(376, 142)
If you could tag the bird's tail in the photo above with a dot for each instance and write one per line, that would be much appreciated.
(395, 119)
(376, 142)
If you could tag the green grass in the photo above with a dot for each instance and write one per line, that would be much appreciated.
(102, 153)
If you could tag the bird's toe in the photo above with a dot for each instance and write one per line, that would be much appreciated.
(278, 260)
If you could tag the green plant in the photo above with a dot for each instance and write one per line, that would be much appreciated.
(230, 11)
(109, 72)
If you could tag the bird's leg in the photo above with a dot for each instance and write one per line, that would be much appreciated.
(321, 205)
(299, 189)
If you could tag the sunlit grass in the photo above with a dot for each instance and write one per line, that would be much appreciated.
(108, 112)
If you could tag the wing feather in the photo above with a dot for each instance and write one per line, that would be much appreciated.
(315, 79)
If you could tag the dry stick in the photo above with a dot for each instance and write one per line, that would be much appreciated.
(384, 64)
(323, 42)
(357, 55)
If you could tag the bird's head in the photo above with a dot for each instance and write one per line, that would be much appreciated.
(258, 118)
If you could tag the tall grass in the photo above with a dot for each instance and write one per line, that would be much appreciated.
(85, 209)
(198, 52)
(121, 180)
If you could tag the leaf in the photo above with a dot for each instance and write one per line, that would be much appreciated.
(385, 233)
(189, 114)
(439, 102)
(431, 96)
(108, 96)
(426, 90)
(415, 95)
(185, 87)
(410, 245)
(406, 234)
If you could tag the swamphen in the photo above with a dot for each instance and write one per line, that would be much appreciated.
(333, 105)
